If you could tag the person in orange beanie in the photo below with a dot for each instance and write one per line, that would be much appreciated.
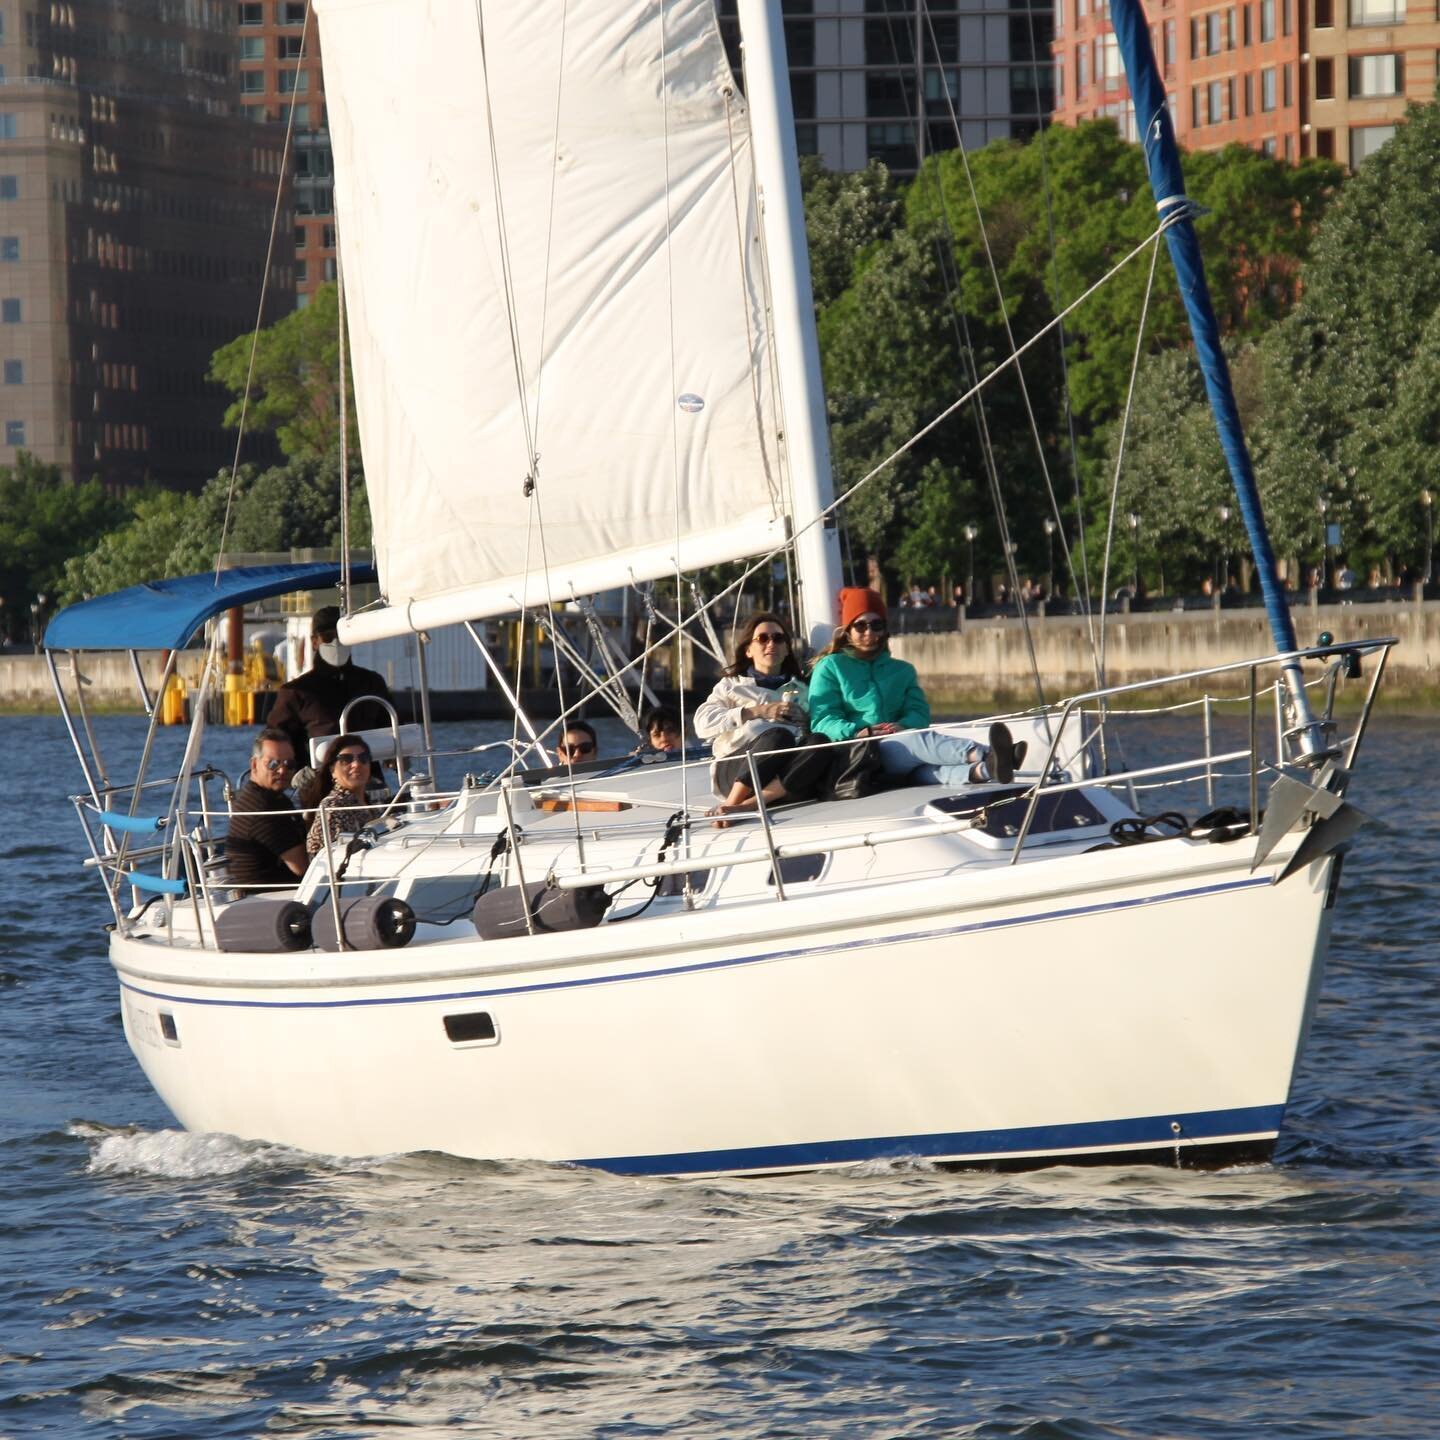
(859, 690)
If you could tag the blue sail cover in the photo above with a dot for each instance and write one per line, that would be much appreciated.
(1162, 156)
(164, 614)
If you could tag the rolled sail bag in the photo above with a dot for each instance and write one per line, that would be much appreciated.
(263, 924)
(500, 914)
(372, 922)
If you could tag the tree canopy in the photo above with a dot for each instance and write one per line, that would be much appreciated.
(294, 384)
(923, 317)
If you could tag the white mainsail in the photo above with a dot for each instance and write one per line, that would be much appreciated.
(548, 229)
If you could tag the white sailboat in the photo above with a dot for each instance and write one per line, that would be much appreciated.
(585, 357)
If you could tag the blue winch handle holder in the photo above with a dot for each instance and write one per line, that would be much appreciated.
(135, 824)
(161, 884)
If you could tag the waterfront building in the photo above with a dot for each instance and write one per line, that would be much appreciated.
(282, 85)
(135, 211)
(868, 76)
(1292, 78)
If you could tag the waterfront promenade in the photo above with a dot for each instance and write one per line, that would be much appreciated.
(985, 662)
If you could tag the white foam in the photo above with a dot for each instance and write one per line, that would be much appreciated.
(177, 1154)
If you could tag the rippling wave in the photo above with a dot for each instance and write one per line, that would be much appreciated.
(161, 1284)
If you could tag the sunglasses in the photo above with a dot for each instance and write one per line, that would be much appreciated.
(582, 747)
(353, 757)
(878, 627)
(275, 766)
(771, 637)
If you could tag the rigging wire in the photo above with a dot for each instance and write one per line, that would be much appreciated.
(1120, 450)
(1019, 372)
(935, 421)
(959, 320)
(674, 410)
(344, 443)
(285, 151)
(1057, 299)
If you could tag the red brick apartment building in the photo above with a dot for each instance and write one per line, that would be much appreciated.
(279, 46)
(1289, 77)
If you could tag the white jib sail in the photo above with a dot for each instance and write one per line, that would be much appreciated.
(548, 232)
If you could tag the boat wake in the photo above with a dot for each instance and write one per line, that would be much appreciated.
(180, 1155)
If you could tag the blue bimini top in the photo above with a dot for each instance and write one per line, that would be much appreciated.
(164, 614)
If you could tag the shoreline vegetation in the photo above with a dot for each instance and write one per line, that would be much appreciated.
(1337, 371)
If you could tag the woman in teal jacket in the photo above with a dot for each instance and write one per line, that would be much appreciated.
(859, 690)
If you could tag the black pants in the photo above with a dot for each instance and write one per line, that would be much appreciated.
(801, 774)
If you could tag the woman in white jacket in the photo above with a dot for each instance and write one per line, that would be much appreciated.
(758, 707)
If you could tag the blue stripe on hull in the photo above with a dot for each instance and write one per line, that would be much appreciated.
(1200, 1127)
(944, 932)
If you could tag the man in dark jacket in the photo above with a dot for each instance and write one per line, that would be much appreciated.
(309, 705)
(266, 842)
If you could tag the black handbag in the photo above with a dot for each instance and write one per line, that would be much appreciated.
(855, 771)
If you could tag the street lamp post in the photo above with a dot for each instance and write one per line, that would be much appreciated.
(1224, 549)
(970, 532)
(1428, 501)
(1049, 558)
(1324, 505)
(1135, 555)
(35, 605)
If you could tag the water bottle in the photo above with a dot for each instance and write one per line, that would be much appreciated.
(792, 695)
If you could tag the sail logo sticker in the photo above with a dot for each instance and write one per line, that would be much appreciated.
(691, 404)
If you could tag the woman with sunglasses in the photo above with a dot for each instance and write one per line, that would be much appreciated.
(758, 707)
(338, 793)
(859, 690)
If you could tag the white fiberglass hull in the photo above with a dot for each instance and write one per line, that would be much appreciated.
(1160, 1010)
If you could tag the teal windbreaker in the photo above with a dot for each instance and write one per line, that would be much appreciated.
(848, 693)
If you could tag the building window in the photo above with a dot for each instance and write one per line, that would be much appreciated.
(9, 312)
(290, 12)
(252, 47)
(302, 237)
(1196, 115)
(1245, 26)
(1325, 80)
(1197, 31)
(252, 14)
(1213, 98)
(1287, 20)
(1082, 71)
(252, 82)
(1108, 56)
(1288, 89)
(9, 247)
(1249, 94)
(1324, 19)
(1325, 144)
(8, 126)
(1267, 20)
(287, 47)
(1267, 90)
(14, 372)
(1365, 140)
(14, 432)
(1372, 75)
(302, 272)
(1169, 43)
(287, 82)
(1212, 33)
(1377, 12)
(1268, 146)
(9, 187)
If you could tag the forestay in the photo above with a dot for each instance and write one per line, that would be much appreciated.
(548, 224)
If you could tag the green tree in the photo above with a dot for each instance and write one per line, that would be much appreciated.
(294, 383)
(279, 509)
(43, 521)
(846, 213)
(1353, 405)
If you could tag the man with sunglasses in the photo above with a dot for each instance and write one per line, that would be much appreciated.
(266, 843)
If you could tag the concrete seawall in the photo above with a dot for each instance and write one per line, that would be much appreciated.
(988, 659)
(983, 660)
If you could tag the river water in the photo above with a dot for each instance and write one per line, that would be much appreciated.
(156, 1284)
